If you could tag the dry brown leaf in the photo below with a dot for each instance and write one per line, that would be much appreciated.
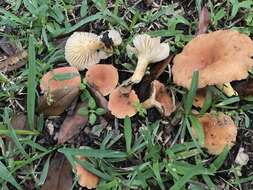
(244, 87)
(204, 21)
(59, 101)
(72, 124)
(19, 121)
(15, 61)
(7, 46)
(59, 175)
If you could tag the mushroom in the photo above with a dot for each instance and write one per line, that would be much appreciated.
(86, 178)
(103, 77)
(220, 131)
(60, 78)
(160, 99)
(84, 49)
(220, 57)
(122, 104)
(148, 50)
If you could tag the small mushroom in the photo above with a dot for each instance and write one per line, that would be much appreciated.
(160, 99)
(148, 50)
(86, 178)
(122, 104)
(220, 131)
(84, 49)
(103, 77)
(60, 78)
(220, 57)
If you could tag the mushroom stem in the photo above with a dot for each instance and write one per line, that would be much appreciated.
(227, 89)
(139, 71)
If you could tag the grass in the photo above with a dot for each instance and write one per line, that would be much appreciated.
(143, 154)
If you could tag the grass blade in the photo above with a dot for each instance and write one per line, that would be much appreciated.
(44, 172)
(192, 92)
(198, 129)
(128, 134)
(84, 21)
(31, 87)
(6, 175)
(12, 133)
(96, 153)
(207, 102)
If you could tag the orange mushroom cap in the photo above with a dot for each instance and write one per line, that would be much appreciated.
(103, 77)
(122, 105)
(220, 131)
(86, 178)
(60, 78)
(221, 56)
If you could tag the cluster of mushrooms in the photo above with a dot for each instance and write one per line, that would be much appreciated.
(220, 57)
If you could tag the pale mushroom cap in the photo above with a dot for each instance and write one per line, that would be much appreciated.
(73, 79)
(149, 49)
(84, 49)
(219, 131)
(86, 178)
(221, 56)
(163, 97)
(122, 105)
(115, 36)
(103, 77)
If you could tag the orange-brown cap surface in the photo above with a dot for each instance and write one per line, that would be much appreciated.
(220, 131)
(221, 56)
(122, 105)
(86, 178)
(60, 78)
(103, 77)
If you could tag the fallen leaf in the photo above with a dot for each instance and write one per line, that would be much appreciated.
(155, 72)
(7, 47)
(59, 175)
(15, 61)
(72, 124)
(19, 121)
(58, 101)
(244, 87)
(204, 21)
